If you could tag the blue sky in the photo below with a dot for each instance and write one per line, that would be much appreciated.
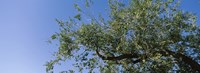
(26, 25)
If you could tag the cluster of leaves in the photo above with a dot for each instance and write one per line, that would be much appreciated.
(162, 36)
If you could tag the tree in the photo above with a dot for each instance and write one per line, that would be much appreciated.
(141, 36)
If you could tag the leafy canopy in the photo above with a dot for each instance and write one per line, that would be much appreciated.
(139, 36)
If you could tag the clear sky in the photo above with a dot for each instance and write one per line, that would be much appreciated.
(26, 25)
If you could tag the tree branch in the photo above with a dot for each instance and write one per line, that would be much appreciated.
(182, 58)
(193, 64)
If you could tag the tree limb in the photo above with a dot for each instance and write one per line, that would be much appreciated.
(193, 64)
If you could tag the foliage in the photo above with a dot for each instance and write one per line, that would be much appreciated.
(141, 36)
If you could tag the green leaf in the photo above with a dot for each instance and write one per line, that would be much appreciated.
(77, 7)
(171, 1)
(78, 16)
(54, 36)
